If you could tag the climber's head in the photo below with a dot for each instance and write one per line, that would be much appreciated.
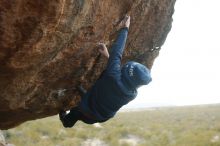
(136, 74)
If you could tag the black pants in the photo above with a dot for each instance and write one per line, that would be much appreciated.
(75, 114)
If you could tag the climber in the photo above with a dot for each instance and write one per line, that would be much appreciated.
(115, 87)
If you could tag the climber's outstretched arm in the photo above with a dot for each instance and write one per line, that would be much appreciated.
(114, 62)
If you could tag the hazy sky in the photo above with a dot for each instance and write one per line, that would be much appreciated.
(187, 70)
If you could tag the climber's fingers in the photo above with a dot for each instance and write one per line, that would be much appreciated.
(101, 47)
(101, 44)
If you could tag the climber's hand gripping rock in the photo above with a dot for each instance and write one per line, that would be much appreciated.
(103, 49)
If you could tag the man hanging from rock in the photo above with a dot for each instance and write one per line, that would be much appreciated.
(115, 87)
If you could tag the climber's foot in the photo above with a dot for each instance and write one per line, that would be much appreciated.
(65, 122)
(62, 115)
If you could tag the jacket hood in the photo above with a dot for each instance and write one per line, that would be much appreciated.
(136, 74)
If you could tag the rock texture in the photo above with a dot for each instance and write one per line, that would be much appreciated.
(48, 46)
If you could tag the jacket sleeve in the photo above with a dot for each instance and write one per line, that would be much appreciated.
(114, 62)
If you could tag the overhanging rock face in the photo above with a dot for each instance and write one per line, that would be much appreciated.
(48, 46)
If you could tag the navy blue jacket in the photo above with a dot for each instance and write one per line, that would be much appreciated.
(110, 92)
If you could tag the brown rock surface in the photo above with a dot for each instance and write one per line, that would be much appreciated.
(47, 46)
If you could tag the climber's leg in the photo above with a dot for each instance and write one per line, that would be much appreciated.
(69, 120)
(87, 120)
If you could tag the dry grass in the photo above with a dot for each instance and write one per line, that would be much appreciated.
(174, 126)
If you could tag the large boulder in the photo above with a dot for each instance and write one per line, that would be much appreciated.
(48, 46)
